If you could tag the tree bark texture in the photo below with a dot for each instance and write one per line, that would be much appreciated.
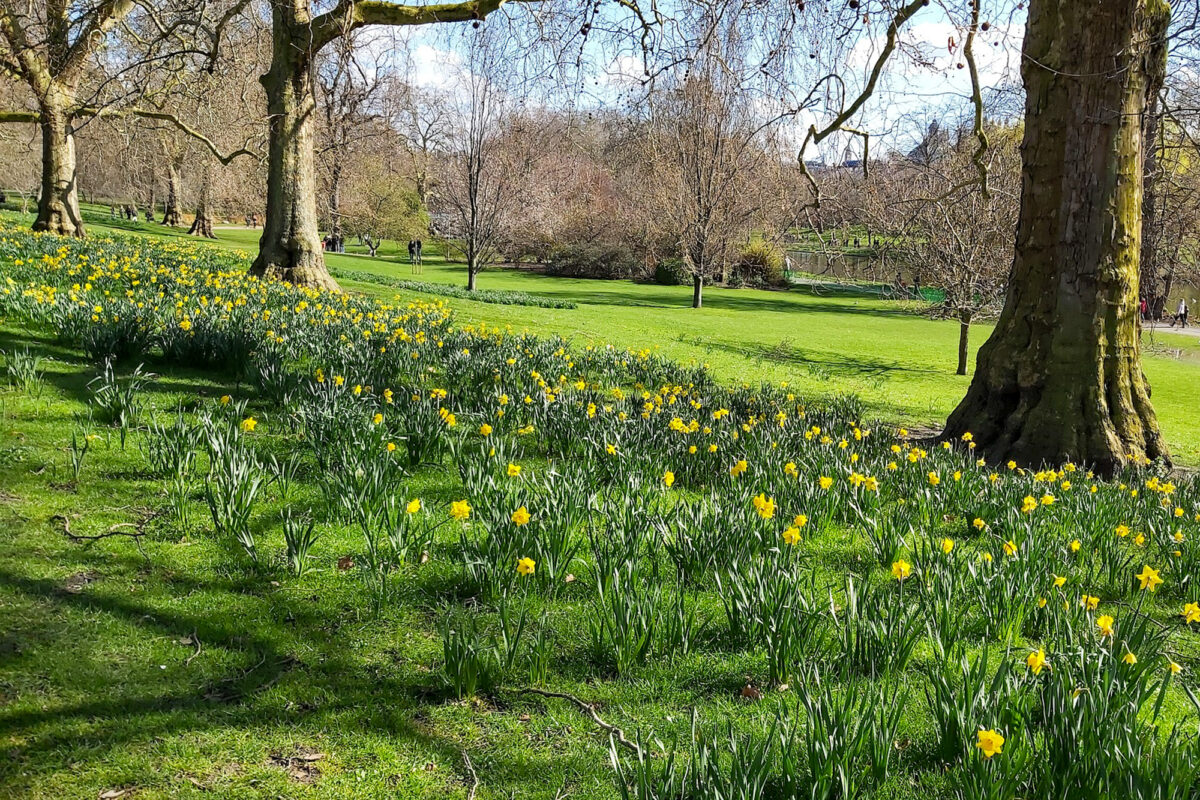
(290, 247)
(173, 210)
(1060, 378)
(964, 344)
(202, 225)
(1148, 269)
(58, 202)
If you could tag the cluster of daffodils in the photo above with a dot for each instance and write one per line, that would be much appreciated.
(815, 540)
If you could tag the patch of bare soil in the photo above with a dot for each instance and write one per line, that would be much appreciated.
(301, 766)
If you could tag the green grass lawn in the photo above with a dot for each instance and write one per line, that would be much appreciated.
(166, 668)
(165, 665)
(899, 362)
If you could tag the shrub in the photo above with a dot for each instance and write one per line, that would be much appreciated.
(593, 260)
(671, 272)
(760, 262)
(533, 246)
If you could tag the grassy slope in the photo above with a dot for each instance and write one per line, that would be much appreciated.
(900, 363)
(101, 687)
(172, 670)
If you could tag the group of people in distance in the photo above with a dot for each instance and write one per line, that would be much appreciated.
(1178, 318)
(129, 212)
(334, 243)
(414, 255)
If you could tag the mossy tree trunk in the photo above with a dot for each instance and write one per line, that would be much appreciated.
(202, 225)
(290, 247)
(173, 210)
(1060, 378)
(58, 201)
(49, 46)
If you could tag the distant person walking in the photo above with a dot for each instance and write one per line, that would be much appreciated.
(412, 256)
(420, 263)
(1180, 315)
(1144, 309)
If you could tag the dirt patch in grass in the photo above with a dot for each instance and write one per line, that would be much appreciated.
(79, 581)
(301, 765)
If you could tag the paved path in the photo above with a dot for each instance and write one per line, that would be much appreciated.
(1163, 327)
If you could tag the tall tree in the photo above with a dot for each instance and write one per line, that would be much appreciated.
(942, 226)
(48, 45)
(290, 247)
(708, 133)
(1061, 378)
(490, 154)
(55, 48)
(348, 91)
(424, 120)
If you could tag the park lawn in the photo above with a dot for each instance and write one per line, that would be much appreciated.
(168, 667)
(900, 363)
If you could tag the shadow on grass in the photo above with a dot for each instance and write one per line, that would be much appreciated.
(784, 353)
(626, 293)
(330, 688)
(170, 378)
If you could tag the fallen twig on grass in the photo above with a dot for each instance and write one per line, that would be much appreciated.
(195, 641)
(115, 530)
(587, 708)
(471, 772)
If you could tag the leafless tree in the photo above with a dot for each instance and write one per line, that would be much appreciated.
(708, 136)
(489, 154)
(951, 236)
(351, 79)
(55, 48)
(424, 120)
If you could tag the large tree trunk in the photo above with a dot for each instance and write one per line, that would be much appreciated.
(1060, 378)
(173, 210)
(202, 225)
(58, 203)
(697, 291)
(1148, 278)
(290, 247)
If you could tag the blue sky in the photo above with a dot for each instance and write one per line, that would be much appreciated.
(923, 80)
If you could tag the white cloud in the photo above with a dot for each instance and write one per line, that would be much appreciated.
(435, 67)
